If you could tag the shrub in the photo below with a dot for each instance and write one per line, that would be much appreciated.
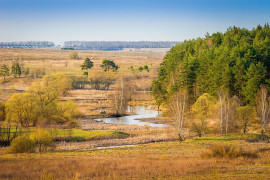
(36, 73)
(43, 140)
(79, 82)
(120, 134)
(25, 143)
(22, 144)
(228, 151)
(73, 124)
(2, 111)
(74, 55)
(140, 69)
(46, 176)
(77, 139)
(102, 81)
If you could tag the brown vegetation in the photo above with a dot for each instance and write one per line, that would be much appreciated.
(228, 151)
(169, 160)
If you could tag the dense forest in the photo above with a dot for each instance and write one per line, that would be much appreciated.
(117, 45)
(26, 44)
(237, 61)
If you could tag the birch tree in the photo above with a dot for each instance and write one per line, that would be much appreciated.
(177, 107)
(120, 97)
(263, 107)
(224, 112)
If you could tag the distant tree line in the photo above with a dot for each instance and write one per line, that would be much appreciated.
(26, 44)
(117, 45)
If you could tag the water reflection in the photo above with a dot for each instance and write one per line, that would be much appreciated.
(141, 112)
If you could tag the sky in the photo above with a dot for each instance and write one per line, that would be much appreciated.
(125, 20)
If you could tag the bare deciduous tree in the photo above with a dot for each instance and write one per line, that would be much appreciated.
(263, 107)
(101, 81)
(177, 106)
(224, 100)
(245, 114)
(120, 97)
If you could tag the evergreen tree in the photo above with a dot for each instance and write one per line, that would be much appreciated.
(88, 64)
(108, 64)
(16, 69)
(237, 60)
(255, 76)
(4, 71)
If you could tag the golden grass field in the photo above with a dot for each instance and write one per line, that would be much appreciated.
(163, 160)
(59, 61)
(156, 155)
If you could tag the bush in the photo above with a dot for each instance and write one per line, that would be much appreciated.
(74, 55)
(228, 151)
(102, 81)
(40, 139)
(22, 144)
(79, 82)
(77, 139)
(120, 134)
(73, 124)
(2, 111)
(36, 73)
(46, 176)
(43, 140)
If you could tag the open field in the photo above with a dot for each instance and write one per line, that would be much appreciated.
(153, 152)
(170, 160)
(49, 61)
(134, 90)
(91, 101)
(53, 61)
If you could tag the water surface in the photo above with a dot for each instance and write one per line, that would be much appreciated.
(140, 113)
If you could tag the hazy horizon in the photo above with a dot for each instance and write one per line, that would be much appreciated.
(125, 20)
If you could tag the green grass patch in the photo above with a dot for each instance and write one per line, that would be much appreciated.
(83, 135)
(226, 137)
(77, 135)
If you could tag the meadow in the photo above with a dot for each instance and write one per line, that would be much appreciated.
(162, 160)
(154, 152)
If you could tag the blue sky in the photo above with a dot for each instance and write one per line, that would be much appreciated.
(135, 20)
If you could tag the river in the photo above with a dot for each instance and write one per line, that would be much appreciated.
(140, 112)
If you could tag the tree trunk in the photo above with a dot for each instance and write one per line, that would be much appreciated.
(221, 113)
(227, 114)
(180, 134)
(122, 96)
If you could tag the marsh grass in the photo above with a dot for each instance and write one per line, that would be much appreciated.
(228, 137)
(228, 151)
(165, 160)
(58, 61)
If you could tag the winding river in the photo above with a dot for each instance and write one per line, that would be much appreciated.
(141, 112)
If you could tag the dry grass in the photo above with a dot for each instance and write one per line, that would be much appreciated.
(90, 101)
(58, 60)
(166, 160)
(87, 168)
(160, 160)
(138, 135)
(228, 151)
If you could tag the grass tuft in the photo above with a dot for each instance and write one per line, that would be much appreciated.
(228, 151)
